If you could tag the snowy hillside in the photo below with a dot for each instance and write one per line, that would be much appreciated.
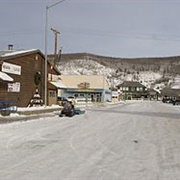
(152, 72)
(176, 83)
(81, 66)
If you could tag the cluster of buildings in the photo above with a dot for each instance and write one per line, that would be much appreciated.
(22, 79)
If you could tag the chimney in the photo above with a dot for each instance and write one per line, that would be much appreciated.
(10, 47)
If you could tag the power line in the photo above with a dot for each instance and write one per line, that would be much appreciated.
(20, 33)
(93, 32)
(99, 33)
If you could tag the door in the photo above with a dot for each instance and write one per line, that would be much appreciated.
(52, 97)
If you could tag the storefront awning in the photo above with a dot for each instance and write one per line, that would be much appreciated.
(58, 84)
(5, 77)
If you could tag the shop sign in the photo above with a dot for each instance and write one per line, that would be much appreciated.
(84, 85)
(14, 87)
(11, 68)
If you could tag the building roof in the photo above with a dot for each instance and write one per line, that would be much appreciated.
(13, 53)
(9, 54)
(130, 84)
(59, 84)
(4, 52)
(93, 81)
(170, 92)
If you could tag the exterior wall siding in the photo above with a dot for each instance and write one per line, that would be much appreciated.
(30, 64)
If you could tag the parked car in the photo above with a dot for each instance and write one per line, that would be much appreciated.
(79, 111)
(167, 100)
(71, 98)
(7, 107)
(83, 100)
(176, 102)
(79, 100)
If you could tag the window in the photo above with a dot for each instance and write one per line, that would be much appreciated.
(81, 95)
(52, 93)
(75, 95)
(132, 88)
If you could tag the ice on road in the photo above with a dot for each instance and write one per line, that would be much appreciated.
(131, 141)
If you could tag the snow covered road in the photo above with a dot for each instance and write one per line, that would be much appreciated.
(135, 140)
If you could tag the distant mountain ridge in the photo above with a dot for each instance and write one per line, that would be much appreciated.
(153, 72)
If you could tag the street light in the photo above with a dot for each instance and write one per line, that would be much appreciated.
(46, 45)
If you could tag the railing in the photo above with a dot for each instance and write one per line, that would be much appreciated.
(7, 107)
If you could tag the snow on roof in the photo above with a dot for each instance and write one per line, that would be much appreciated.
(18, 52)
(177, 86)
(131, 84)
(58, 84)
(157, 90)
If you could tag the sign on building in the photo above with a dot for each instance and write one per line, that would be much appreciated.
(14, 87)
(84, 85)
(11, 68)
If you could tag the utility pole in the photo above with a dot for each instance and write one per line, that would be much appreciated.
(46, 49)
(56, 32)
(59, 55)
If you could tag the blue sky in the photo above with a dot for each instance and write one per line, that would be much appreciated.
(117, 28)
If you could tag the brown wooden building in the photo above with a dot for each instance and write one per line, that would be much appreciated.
(133, 90)
(18, 71)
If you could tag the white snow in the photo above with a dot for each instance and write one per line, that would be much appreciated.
(90, 67)
(36, 108)
(176, 84)
(134, 140)
(18, 52)
(148, 77)
(84, 67)
(31, 109)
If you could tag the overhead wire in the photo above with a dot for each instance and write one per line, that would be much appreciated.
(99, 33)
(20, 33)
(133, 35)
(156, 36)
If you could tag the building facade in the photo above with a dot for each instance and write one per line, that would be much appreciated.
(132, 90)
(22, 73)
(169, 94)
(92, 87)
